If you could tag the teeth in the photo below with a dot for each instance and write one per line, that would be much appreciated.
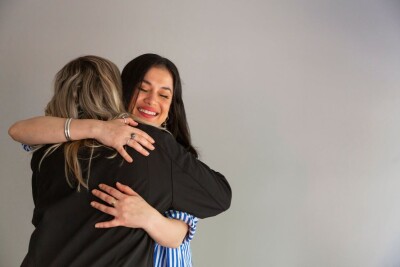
(147, 112)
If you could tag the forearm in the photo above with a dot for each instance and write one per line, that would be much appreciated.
(166, 232)
(131, 210)
(50, 130)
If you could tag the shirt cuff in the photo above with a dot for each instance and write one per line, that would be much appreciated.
(190, 220)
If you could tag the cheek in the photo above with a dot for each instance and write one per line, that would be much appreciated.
(134, 102)
(166, 108)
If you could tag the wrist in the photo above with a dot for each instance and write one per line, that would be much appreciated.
(94, 129)
(153, 220)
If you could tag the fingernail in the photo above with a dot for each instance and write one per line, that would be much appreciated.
(101, 185)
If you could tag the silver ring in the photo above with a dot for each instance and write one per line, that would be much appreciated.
(127, 142)
(113, 202)
(124, 120)
(133, 136)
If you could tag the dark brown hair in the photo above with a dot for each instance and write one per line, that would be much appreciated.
(133, 75)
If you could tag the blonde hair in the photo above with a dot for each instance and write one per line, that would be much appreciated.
(88, 87)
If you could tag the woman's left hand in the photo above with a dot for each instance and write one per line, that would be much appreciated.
(128, 207)
(118, 134)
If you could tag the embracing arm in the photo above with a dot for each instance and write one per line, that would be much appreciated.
(165, 231)
(49, 130)
(200, 191)
(196, 188)
(131, 210)
(114, 133)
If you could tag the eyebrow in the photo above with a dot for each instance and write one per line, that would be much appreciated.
(163, 87)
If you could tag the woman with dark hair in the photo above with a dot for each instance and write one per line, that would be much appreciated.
(133, 74)
(152, 93)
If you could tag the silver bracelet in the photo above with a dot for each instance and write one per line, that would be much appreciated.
(66, 129)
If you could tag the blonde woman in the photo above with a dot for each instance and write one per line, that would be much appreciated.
(64, 173)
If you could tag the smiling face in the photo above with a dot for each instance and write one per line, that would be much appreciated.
(153, 97)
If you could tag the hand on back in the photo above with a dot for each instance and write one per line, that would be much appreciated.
(121, 132)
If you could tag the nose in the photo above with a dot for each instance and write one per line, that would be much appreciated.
(150, 98)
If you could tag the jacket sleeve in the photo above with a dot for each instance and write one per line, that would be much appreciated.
(196, 188)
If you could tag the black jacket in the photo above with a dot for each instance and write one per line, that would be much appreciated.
(169, 178)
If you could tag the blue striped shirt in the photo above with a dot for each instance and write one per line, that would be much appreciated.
(181, 256)
(170, 257)
(27, 148)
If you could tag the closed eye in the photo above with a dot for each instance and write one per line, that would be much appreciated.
(164, 96)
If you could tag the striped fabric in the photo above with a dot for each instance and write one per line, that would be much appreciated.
(27, 148)
(170, 257)
(181, 256)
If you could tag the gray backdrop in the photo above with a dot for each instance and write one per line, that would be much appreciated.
(296, 102)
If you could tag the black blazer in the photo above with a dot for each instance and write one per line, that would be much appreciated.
(169, 178)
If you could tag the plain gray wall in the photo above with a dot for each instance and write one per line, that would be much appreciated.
(297, 103)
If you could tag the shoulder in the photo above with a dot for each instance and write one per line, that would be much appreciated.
(50, 149)
(162, 138)
(155, 132)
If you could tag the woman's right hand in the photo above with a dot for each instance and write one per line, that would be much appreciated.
(118, 133)
(131, 210)
(128, 207)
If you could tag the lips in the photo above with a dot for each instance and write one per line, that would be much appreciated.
(148, 113)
